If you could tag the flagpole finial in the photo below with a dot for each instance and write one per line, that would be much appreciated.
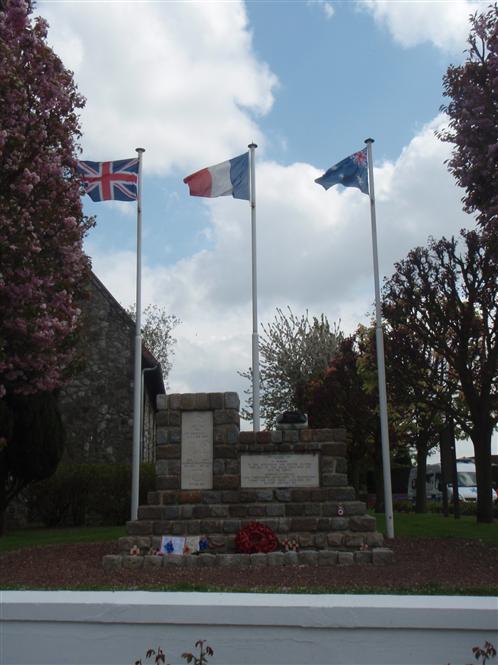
(252, 145)
(140, 149)
(369, 141)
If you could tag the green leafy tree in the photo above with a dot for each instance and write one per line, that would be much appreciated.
(448, 301)
(419, 396)
(339, 398)
(473, 120)
(293, 350)
(347, 396)
(368, 371)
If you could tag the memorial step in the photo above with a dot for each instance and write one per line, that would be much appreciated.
(257, 511)
(376, 556)
(180, 527)
(339, 493)
(225, 542)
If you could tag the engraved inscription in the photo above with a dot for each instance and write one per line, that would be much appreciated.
(279, 471)
(197, 450)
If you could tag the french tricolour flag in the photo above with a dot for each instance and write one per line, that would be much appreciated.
(225, 179)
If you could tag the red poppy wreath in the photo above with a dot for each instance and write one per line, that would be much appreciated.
(255, 537)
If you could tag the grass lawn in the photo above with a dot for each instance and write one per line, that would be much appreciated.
(41, 536)
(430, 525)
(435, 525)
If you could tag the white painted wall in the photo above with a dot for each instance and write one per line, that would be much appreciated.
(106, 628)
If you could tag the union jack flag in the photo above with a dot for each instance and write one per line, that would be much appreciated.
(110, 181)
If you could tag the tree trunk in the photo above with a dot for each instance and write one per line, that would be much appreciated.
(6, 426)
(3, 501)
(3, 492)
(481, 438)
(300, 396)
(421, 493)
(449, 473)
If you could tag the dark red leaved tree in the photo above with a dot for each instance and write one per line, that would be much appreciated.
(473, 125)
(448, 300)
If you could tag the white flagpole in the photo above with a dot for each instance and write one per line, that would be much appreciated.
(255, 339)
(137, 376)
(384, 427)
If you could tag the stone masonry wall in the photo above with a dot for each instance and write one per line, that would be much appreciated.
(226, 430)
(327, 521)
(97, 403)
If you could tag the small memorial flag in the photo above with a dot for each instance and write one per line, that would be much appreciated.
(110, 181)
(350, 172)
(225, 179)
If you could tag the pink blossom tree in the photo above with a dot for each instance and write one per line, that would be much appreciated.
(473, 120)
(42, 265)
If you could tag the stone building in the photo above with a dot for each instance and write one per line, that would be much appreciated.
(97, 403)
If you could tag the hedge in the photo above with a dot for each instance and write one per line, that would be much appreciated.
(466, 507)
(87, 494)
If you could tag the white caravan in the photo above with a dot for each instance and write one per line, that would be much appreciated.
(467, 485)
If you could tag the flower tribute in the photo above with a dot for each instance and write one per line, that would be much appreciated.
(254, 538)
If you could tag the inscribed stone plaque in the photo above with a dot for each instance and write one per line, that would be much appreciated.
(279, 471)
(197, 450)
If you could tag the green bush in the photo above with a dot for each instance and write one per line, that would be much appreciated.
(87, 494)
(466, 508)
(403, 506)
(49, 501)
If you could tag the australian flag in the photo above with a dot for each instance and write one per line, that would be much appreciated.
(350, 172)
(110, 181)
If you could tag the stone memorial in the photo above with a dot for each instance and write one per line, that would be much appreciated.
(213, 481)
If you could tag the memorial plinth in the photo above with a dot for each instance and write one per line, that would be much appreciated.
(213, 480)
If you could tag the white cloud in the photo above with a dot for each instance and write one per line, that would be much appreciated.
(314, 252)
(169, 77)
(326, 7)
(444, 23)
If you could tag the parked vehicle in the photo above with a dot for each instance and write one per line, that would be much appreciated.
(467, 485)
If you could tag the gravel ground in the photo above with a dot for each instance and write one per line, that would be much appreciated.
(445, 564)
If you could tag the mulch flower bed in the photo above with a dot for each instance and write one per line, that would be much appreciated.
(445, 564)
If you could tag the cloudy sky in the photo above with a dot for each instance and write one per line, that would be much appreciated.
(194, 83)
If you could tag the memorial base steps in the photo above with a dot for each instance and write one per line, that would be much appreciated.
(375, 556)
(247, 477)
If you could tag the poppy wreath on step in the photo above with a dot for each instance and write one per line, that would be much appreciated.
(256, 537)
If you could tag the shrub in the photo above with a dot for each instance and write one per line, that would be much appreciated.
(467, 508)
(49, 501)
(78, 494)
(204, 650)
(403, 506)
